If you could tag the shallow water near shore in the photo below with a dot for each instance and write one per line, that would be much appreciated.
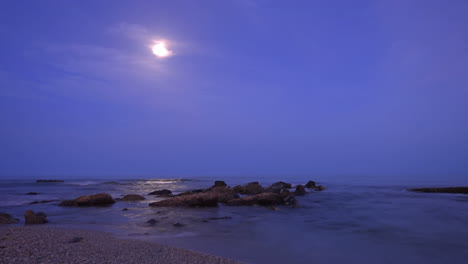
(359, 221)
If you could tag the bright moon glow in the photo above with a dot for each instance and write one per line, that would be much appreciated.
(160, 50)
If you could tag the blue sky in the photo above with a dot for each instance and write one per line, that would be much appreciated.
(253, 87)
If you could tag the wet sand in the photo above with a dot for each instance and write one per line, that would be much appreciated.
(42, 244)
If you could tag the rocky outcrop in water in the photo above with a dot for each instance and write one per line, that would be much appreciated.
(249, 188)
(209, 199)
(30, 218)
(131, 198)
(463, 190)
(264, 199)
(278, 187)
(161, 192)
(300, 190)
(100, 199)
(7, 219)
(310, 185)
(32, 193)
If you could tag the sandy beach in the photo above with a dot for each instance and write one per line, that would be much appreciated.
(42, 244)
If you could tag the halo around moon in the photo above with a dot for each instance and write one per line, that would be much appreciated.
(161, 50)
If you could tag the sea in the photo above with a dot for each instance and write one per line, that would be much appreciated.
(355, 220)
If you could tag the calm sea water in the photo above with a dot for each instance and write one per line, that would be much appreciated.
(358, 221)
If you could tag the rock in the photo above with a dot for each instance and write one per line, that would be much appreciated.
(300, 190)
(32, 193)
(177, 224)
(161, 192)
(310, 185)
(32, 219)
(165, 195)
(100, 199)
(209, 199)
(219, 184)
(288, 198)
(249, 188)
(224, 194)
(152, 222)
(320, 188)
(277, 187)
(50, 181)
(132, 197)
(7, 219)
(125, 209)
(191, 192)
(44, 201)
(263, 199)
(442, 190)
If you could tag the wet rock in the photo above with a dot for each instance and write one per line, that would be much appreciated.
(289, 198)
(32, 193)
(463, 190)
(224, 194)
(178, 224)
(152, 222)
(50, 181)
(277, 187)
(209, 199)
(44, 201)
(320, 188)
(132, 197)
(219, 184)
(310, 185)
(125, 209)
(191, 192)
(100, 199)
(165, 195)
(249, 188)
(161, 192)
(7, 219)
(263, 199)
(300, 190)
(32, 219)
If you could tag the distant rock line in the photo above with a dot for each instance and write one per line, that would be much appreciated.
(463, 190)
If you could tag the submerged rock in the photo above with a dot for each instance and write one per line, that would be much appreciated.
(310, 185)
(152, 222)
(178, 224)
(161, 192)
(131, 198)
(7, 219)
(100, 199)
(30, 218)
(43, 201)
(463, 190)
(219, 218)
(32, 193)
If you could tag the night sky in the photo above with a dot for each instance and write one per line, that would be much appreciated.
(252, 87)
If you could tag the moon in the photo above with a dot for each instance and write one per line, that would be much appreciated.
(160, 50)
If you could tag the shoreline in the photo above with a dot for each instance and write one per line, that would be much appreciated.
(43, 244)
